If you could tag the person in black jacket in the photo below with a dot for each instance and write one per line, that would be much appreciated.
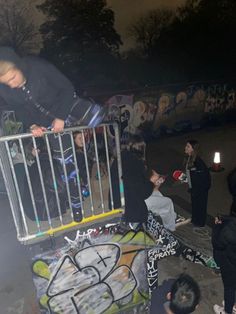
(232, 189)
(42, 98)
(137, 186)
(41, 95)
(199, 181)
(224, 252)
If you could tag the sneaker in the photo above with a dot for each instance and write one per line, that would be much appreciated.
(77, 214)
(219, 309)
(234, 308)
(183, 222)
(179, 218)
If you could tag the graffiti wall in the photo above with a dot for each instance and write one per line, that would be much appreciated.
(100, 271)
(110, 269)
(172, 109)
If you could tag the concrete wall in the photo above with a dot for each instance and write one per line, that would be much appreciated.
(174, 108)
(98, 272)
(107, 269)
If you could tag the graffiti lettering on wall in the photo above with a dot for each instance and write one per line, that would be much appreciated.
(106, 270)
(131, 114)
(95, 277)
(174, 110)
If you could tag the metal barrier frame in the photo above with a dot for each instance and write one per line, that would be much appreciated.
(14, 196)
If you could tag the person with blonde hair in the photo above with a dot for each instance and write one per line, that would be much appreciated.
(42, 95)
(43, 98)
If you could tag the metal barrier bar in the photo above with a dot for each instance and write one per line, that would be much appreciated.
(98, 169)
(65, 174)
(29, 184)
(77, 172)
(17, 188)
(94, 206)
(70, 226)
(118, 154)
(42, 183)
(88, 175)
(9, 184)
(108, 166)
(54, 177)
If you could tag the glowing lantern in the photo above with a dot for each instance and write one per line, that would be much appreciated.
(216, 167)
(217, 158)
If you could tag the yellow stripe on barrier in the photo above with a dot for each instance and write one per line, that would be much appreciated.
(86, 221)
(90, 219)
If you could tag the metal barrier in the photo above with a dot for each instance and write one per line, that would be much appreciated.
(44, 184)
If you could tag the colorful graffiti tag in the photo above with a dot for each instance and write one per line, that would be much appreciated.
(89, 277)
(174, 109)
(107, 269)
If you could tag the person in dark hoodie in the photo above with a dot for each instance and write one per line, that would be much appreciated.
(43, 97)
(137, 186)
(224, 252)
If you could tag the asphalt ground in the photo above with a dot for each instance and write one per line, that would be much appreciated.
(17, 293)
(167, 155)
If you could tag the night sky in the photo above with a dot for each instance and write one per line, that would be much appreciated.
(127, 11)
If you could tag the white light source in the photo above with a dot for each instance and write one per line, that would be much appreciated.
(217, 158)
(216, 166)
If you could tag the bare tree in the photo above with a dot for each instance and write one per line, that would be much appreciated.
(17, 28)
(147, 29)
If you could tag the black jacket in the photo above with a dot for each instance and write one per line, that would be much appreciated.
(137, 187)
(48, 87)
(224, 249)
(200, 175)
(231, 179)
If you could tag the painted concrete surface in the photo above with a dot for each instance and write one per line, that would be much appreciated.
(17, 292)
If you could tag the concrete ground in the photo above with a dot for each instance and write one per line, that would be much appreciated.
(17, 293)
(167, 155)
